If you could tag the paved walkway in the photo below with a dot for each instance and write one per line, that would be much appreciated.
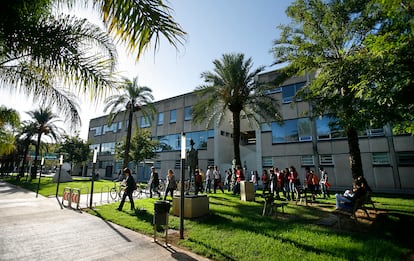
(39, 229)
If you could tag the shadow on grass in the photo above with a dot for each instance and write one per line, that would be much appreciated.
(389, 227)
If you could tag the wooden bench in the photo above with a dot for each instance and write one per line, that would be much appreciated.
(362, 203)
(301, 194)
(270, 206)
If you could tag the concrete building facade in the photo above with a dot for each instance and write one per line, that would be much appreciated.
(388, 160)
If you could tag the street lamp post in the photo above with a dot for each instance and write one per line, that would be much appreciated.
(95, 157)
(60, 170)
(182, 185)
(40, 175)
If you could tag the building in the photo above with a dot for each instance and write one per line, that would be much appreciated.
(388, 160)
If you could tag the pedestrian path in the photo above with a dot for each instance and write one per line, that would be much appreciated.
(40, 229)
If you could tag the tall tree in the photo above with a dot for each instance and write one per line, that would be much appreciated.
(132, 98)
(142, 147)
(24, 139)
(46, 56)
(231, 86)
(76, 150)
(44, 122)
(9, 120)
(390, 62)
(330, 37)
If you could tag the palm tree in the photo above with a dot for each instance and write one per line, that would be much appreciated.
(40, 52)
(132, 98)
(23, 140)
(44, 124)
(232, 87)
(9, 119)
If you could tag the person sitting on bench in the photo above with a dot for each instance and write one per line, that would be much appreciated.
(347, 200)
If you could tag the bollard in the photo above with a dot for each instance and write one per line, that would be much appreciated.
(66, 196)
(75, 197)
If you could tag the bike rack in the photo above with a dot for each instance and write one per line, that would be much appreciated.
(107, 194)
(87, 194)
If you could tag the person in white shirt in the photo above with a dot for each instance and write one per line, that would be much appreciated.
(217, 179)
(209, 177)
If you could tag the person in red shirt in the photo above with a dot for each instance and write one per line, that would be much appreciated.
(293, 181)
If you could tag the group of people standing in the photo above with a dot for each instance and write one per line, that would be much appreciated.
(287, 182)
(212, 179)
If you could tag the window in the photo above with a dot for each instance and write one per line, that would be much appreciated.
(287, 132)
(304, 129)
(307, 160)
(375, 132)
(275, 90)
(405, 158)
(157, 164)
(93, 146)
(160, 119)
(380, 158)
(173, 142)
(187, 113)
(144, 122)
(97, 130)
(327, 129)
(326, 160)
(266, 127)
(110, 128)
(108, 148)
(177, 164)
(267, 162)
(289, 91)
(173, 116)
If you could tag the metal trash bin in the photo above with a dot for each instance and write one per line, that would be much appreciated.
(161, 211)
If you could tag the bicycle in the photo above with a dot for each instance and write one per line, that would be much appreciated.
(117, 191)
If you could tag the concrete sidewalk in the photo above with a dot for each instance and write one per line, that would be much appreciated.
(39, 229)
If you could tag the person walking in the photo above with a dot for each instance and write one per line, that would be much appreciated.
(154, 182)
(293, 181)
(198, 182)
(209, 178)
(130, 187)
(171, 184)
(217, 179)
(323, 181)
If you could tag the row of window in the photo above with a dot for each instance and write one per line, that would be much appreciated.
(144, 122)
(114, 127)
(378, 159)
(167, 143)
(288, 91)
(301, 130)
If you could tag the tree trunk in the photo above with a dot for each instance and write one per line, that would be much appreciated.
(34, 170)
(128, 138)
(236, 137)
(23, 169)
(354, 153)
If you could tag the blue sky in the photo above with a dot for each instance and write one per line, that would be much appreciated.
(214, 27)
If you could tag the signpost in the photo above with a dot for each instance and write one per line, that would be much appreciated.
(42, 163)
(95, 157)
(60, 170)
(182, 185)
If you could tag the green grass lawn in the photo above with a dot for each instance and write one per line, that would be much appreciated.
(235, 230)
(47, 187)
